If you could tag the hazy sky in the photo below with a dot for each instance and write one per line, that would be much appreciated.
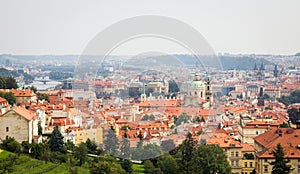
(232, 26)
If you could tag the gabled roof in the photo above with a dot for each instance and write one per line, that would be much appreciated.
(27, 114)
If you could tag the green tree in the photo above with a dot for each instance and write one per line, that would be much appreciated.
(280, 165)
(9, 96)
(294, 97)
(40, 128)
(11, 145)
(284, 125)
(42, 96)
(11, 83)
(182, 118)
(125, 147)
(106, 167)
(173, 87)
(293, 113)
(81, 153)
(91, 146)
(111, 142)
(168, 164)
(149, 167)
(210, 159)
(56, 141)
(127, 165)
(187, 149)
(25, 146)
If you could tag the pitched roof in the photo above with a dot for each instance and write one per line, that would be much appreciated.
(287, 137)
(24, 113)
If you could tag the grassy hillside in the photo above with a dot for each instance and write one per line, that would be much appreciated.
(25, 164)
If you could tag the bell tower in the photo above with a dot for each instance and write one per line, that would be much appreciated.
(208, 89)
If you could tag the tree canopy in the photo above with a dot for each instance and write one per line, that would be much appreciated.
(56, 141)
(280, 165)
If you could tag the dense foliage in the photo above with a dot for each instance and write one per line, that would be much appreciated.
(294, 97)
(8, 83)
(9, 96)
(280, 165)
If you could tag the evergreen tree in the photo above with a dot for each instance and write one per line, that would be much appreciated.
(91, 146)
(81, 153)
(280, 165)
(187, 148)
(140, 143)
(56, 141)
(111, 142)
(125, 148)
(127, 165)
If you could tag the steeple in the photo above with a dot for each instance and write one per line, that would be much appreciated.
(196, 77)
(143, 95)
(275, 71)
(255, 67)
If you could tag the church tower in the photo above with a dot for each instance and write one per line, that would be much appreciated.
(261, 98)
(275, 71)
(143, 95)
(208, 89)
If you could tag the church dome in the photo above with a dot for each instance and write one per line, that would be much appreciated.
(197, 84)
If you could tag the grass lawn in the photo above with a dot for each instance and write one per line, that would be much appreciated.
(3, 153)
(138, 168)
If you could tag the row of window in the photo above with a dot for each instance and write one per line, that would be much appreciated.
(246, 164)
(236, 163)
(236, 154)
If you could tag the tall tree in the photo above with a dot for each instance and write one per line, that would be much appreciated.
(125, 147)
(210, 159)
(91, 146)
(280, 165)
(81, 153)
(111, 142)
(56, 141)
(9, 96)
(127, 165)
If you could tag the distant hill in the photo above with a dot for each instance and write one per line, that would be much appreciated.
(227, 61)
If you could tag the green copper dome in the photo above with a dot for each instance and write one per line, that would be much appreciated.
(197, 84)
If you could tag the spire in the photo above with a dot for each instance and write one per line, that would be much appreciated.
(207, 78)
(262, 67)
(196, 76)
(275, 71)
(255, 67)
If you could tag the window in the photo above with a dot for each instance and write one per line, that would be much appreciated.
(236, 153)
(232, 154)
(251, 165)
(298, 169)
(298, 160)
(256, 132)
(232, 163)
(265, 168)
(237, 163)
(245, 164)
(7, 129)
(265, 160)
